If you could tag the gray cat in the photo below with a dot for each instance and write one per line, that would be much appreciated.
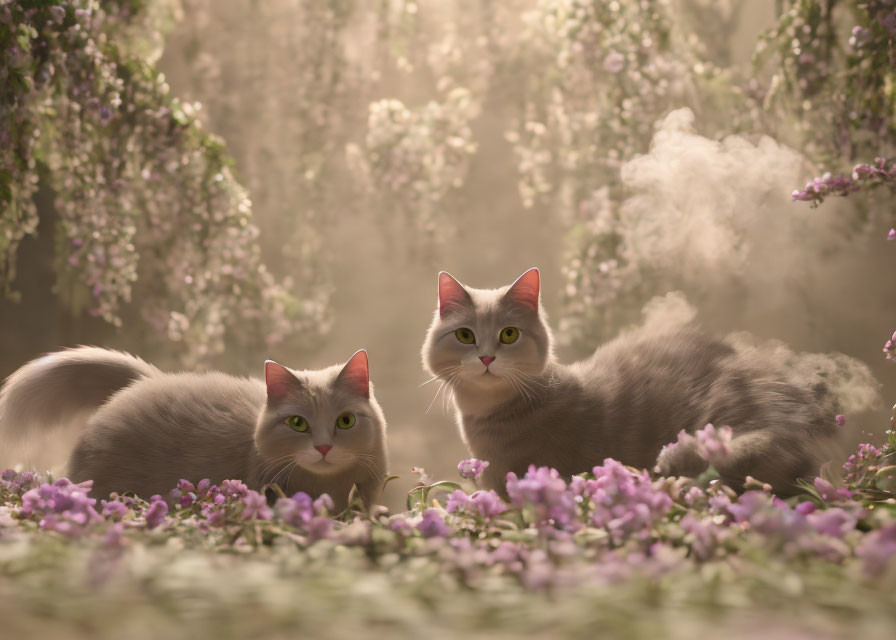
(143, 430)
(516, 405)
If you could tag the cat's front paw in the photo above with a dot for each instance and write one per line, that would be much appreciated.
(680, 459)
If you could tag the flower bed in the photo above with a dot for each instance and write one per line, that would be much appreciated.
(615, 549)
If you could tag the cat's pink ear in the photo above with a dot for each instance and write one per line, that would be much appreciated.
(279, 380)
(525, 290)
(451, 294)
(355, 375)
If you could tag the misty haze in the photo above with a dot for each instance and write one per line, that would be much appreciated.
(210, 184)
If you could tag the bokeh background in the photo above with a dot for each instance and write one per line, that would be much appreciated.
(210, 183)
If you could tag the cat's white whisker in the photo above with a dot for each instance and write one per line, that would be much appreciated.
(441, 386)
(423, 384)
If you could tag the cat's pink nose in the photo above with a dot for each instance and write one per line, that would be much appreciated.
(323, 448)
(487, 360)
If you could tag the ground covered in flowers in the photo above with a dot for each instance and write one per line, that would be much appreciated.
(616, 551)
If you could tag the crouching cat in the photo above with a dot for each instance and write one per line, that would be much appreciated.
(516, 405)
(143, 430)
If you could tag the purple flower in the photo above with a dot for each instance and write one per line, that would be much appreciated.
(713, 444)
(694, 496)
(805, 508)
(863, 175)
(185, 493)
(832, 522)
(472, 468)
(768, 516)
(747, 505)
(829, 492)
(486, 504)
(892, 234)
(719, 504)
(114, 510)
(63, 506)
(296, 511)
(858, 465)
(704, 535)
(324, 505)
(399, 524)
(876, 549)
(234, 488)
(156, 513)
(433, 525)
(544, 492)
(319, 528)
(623, 502)
(256, 507)
(216, 518)
(458, 501)
(18, 483)
(578, 485)
(509, 555)
(840, 420)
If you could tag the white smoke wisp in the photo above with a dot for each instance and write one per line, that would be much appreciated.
(706, 210)
(848, 380)
(714, 220)
(667, 313)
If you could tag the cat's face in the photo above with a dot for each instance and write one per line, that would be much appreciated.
(324, 421)
(488, 338)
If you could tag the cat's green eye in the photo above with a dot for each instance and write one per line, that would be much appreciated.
(509, 335)
(465, 335)
(346, 420)
(297, 423)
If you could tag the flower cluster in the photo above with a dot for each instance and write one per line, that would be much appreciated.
(890, 345)
(864, 176)
(233, 502)
(862, 464)
(484, 504)
(600, 75)
(415, 158)
(836, 105)
(545, 497)
(624, 503)
(63, 506)
(552, 532)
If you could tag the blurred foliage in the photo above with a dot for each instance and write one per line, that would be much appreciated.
(147, 201)
(832, 78)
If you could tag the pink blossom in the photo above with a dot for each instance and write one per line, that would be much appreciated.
(714, 444)
(472, 468)
(256, 507)
(433, 525)
(877, 548)
(156, 513)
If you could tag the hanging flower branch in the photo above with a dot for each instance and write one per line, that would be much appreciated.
(147, 201)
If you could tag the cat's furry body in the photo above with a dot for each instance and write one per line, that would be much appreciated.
(143, 430)
(520, 406)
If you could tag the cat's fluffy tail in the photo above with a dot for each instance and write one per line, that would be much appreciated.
(64, 388)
